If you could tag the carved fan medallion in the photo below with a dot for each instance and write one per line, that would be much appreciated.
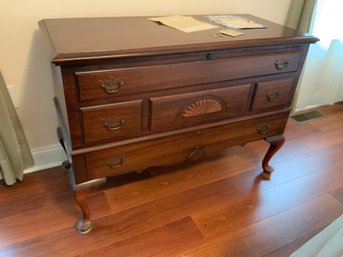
(201, 107)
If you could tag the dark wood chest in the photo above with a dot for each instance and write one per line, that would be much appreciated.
(136, 94)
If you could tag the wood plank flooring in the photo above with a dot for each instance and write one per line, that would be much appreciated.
(218, 207)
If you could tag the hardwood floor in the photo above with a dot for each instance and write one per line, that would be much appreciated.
(219, 207)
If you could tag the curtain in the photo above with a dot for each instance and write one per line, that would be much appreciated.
(15, 155)
(321, 82)
(300, 15)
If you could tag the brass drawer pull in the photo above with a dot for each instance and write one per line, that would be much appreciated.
(272, 95)
(113, 123)
(115, 162)
(281, 64)
(196, 154)
(111, 85)
(263, 128)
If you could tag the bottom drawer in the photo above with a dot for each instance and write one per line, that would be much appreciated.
(177, 148)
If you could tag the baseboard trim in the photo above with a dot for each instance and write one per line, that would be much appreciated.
(47, 157)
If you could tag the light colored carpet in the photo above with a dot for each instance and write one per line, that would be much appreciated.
(328, 243)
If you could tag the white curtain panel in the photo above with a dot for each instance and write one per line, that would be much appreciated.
(322, 79)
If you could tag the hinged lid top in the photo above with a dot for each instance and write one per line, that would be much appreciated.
(76, 39)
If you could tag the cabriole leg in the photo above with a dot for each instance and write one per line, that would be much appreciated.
(81, 193)
(275, 144)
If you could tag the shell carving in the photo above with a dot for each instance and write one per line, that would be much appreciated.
(202, 107)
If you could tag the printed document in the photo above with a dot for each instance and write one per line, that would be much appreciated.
(184, 23)
(234, 22)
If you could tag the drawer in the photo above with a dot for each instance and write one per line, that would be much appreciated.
(114, 121)
(191, 109)
(273, 93)
(103, 84)
(174, 149)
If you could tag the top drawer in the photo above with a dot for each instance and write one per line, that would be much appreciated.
(118, 82)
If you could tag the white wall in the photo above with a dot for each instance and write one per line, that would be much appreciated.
(25, 65)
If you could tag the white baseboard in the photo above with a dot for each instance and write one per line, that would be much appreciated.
(297, 111)
(47, 157)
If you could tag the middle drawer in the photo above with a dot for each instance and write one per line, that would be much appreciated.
(184, 110)
(113, 121)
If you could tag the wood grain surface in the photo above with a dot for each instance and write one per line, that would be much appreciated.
(219, 207)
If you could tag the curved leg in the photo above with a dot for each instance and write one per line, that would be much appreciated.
(81, 193)
(275, 144)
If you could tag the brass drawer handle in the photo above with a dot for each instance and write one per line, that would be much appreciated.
(196, 154)
(111, 85)
(115, 162)
(113, 123)
(263, 128)
(272, 95)
(281, 64)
